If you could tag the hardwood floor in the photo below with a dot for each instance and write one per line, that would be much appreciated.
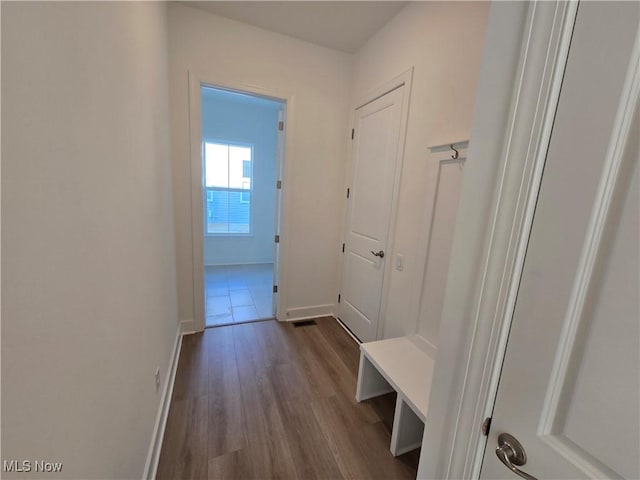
(271, 400)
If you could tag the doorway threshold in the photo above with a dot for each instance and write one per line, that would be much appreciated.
(241, 322)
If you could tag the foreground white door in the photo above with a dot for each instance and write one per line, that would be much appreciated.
(569, 388)
(375, 156)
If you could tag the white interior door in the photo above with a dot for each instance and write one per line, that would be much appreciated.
(569, 387)
(375, 156)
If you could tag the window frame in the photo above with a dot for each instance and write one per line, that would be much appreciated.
(206, 189)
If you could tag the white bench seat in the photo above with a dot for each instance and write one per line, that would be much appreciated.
(403, 365)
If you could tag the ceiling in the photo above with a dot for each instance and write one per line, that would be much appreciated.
(344, 26)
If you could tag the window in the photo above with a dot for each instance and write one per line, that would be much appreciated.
(228, 179)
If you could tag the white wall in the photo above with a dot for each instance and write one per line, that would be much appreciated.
(89, 304)
(223, 51)
(443, 41)
(253, 121)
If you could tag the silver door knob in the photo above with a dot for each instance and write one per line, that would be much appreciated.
(512, 454)
(378, 254)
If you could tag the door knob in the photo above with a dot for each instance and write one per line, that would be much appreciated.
(378, 254)
(512, 454)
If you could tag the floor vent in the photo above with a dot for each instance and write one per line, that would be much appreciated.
(304, 323)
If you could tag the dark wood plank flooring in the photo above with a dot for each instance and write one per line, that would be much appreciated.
(271, 400)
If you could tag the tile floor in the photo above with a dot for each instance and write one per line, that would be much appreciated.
(238, 293)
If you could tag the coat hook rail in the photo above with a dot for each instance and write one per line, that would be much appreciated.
(451, 150)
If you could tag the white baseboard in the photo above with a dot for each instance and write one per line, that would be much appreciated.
(155, 447)
(305, 313)
(344, 327)
(188, 326)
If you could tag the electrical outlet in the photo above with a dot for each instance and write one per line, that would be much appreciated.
(157, 379)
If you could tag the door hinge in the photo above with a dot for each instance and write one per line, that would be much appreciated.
(486, 426)
(339, 296)
(343, 248)
(277, 239)
(348, 192)
(279, 184)
(275, 289)
(280, 126)
(353, 133)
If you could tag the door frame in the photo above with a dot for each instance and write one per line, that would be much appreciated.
(404, 79)
(196, 81)
(527, 46)
(277, 221)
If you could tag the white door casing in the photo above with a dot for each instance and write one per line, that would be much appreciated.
(569, 385)
(277, 220)
(196, 81)
(376, 156)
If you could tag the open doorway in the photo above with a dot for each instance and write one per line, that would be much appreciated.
(242, 140)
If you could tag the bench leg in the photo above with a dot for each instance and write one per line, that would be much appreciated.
(370, 382)
(407, 431)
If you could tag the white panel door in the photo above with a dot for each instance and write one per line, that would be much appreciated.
(375, 155)
(569, 387)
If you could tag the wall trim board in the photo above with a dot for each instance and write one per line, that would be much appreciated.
(157, 437)
(404, 79)
(196, 80)
(305, 313)
(517, 118)
(437, 155)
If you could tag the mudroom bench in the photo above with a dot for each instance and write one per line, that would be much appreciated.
(400, 364)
